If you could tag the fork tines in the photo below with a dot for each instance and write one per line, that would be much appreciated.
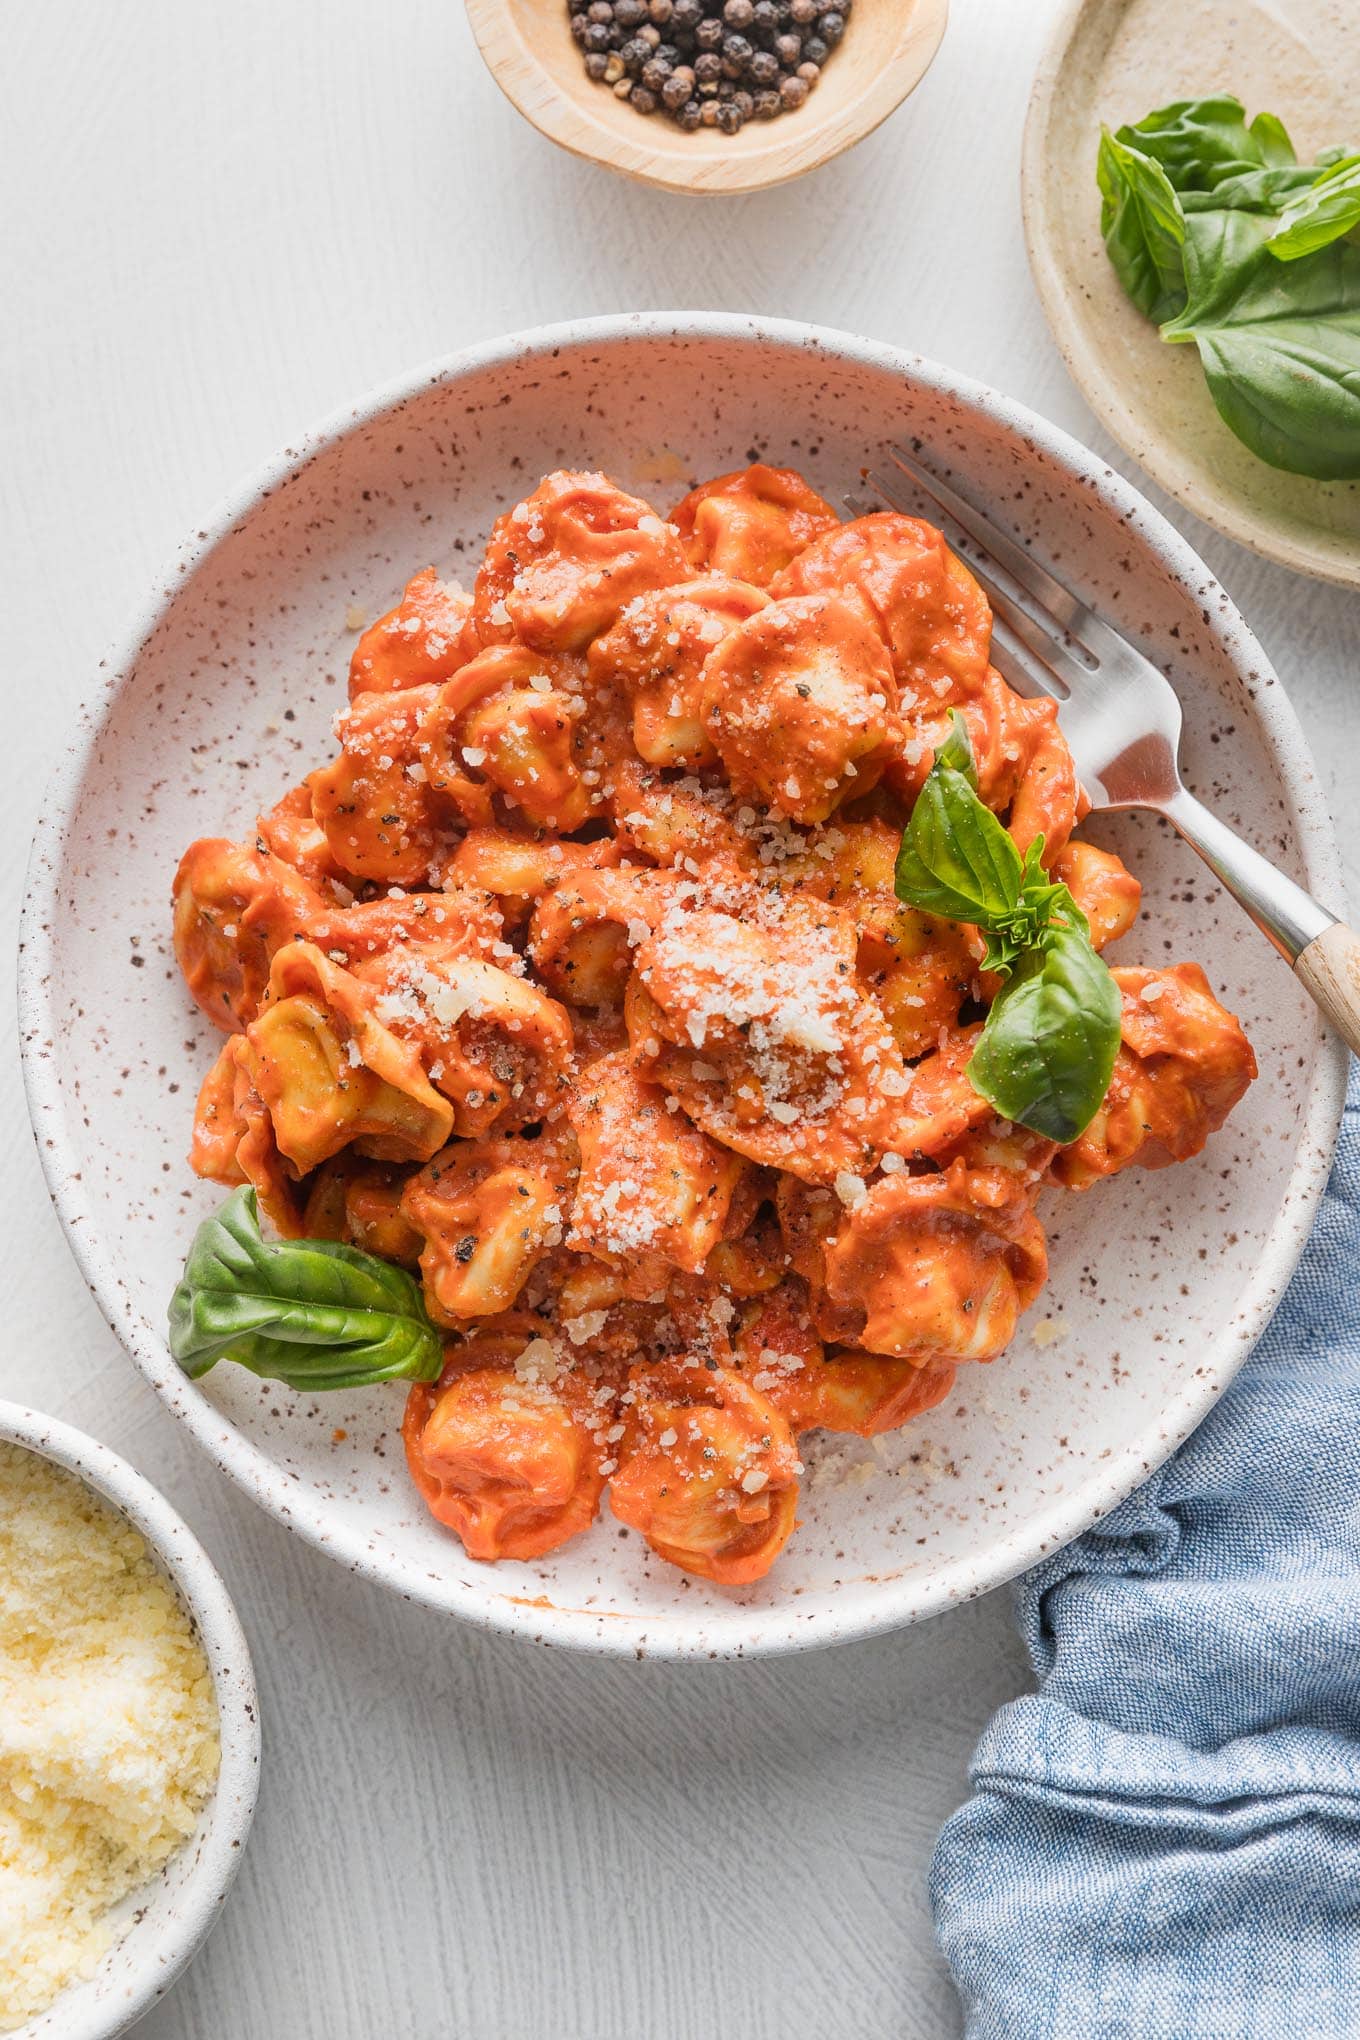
(1045, 640)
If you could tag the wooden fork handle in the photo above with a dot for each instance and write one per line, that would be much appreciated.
(1322, 951)
(1329, 971)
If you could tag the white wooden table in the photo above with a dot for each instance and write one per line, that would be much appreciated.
(226, 217)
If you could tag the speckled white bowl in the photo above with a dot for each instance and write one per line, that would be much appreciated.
(222, 697)
(167, 1921)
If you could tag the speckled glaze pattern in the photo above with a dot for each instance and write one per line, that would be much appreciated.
(1160, 1282)
(163, 1925)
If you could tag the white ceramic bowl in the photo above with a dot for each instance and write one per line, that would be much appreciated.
(222, 697)
(171, 1917)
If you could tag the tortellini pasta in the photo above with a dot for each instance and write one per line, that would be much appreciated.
(577, 983)
(331, 1075)
(752, 523)
(485, 1213)
(504, 1448)
(934, 618)
(417, 644)
(801, 706)
(707, 1471)
(1182, 1065)
(375, 804)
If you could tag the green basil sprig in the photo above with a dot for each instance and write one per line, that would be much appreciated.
(1046, 1051)
(1327, 209)
(1143, 227)
(1219, 234)
(311, 1313)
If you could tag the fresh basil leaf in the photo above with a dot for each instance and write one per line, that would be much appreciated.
(1269, 271)
(956, 752)
(1280, 344)
(1272, 139)
(311, 1313)
(1046, 1052)
(1201, 142)
(1329, 208)
(956, 859)
(1141, 222)
(1047, 1048)
(1255, 191)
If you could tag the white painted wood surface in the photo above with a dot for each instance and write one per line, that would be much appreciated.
(222, 221)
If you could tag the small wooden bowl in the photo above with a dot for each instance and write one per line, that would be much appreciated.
(888, 47)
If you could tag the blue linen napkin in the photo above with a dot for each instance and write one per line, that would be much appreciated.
(1163, 1843)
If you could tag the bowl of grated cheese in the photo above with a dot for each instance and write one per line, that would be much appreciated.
(129, 1737)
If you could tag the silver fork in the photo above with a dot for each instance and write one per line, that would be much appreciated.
(1122, 720)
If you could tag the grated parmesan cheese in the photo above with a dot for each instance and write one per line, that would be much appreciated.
(108, 1727)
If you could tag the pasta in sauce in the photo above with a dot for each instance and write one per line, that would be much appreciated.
(576, 981)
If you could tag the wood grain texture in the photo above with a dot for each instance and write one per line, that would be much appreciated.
(530, 52)
(236, 217)
(1330, 969)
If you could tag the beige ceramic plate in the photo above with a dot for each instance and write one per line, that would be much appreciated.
(1113, 61)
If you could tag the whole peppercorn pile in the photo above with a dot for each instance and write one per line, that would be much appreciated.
(709, 63)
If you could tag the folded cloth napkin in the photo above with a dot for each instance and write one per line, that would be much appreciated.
(1163, 1842)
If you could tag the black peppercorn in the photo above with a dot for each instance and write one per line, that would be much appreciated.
(708, 63)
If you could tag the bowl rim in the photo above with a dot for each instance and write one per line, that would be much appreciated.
(560, 119)
(200, 1588)
(782, 1626)
(1158, 453)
